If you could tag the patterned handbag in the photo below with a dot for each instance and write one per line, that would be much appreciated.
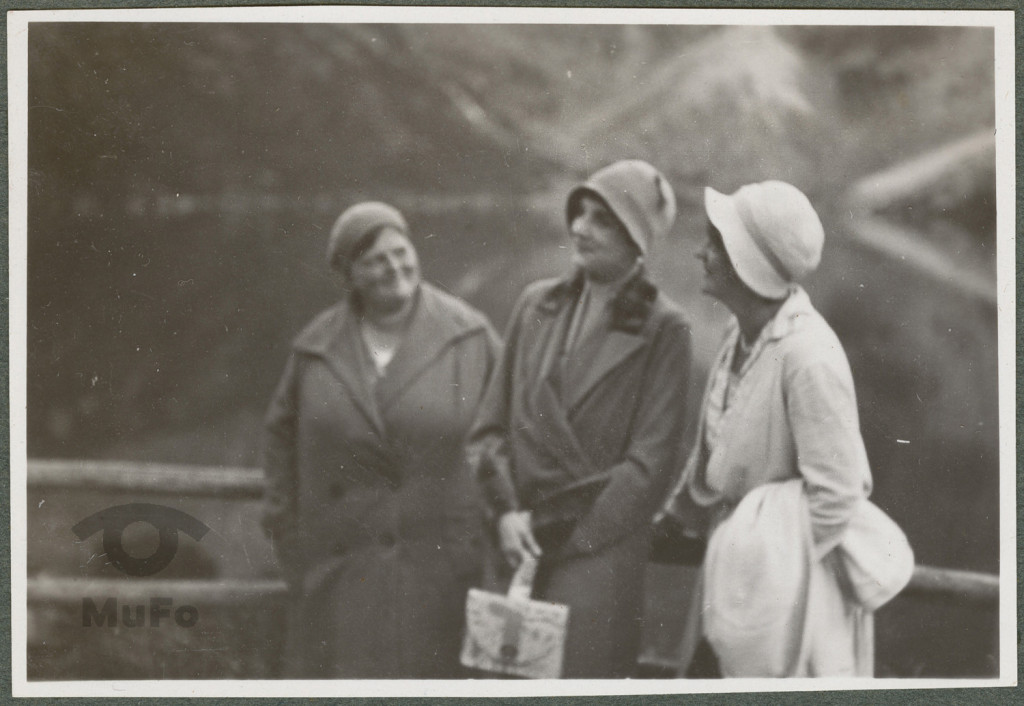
(513, 634)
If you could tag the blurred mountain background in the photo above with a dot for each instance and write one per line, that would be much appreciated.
(183, 179)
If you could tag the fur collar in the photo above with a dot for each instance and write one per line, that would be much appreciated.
(630, 308)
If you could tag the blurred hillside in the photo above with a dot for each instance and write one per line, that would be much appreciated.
(724, 105)
(183, 178)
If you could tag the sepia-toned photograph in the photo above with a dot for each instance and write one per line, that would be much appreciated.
(422, 351)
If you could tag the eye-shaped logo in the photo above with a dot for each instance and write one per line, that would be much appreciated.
(166, 520)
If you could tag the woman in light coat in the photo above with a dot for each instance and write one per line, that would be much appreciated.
(369, 506)
(589, 396)
(779, 405)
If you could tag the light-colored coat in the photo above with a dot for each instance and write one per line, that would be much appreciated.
(792, 415)
(614, 407)
(371, 510)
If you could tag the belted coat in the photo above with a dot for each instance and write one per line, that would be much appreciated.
(374, 517)
(614, 406)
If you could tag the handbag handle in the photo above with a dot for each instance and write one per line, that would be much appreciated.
(521, 586)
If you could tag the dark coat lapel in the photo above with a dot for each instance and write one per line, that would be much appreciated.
(555, 434)
(607, 350)
(433, 328)
(336, 339)
(602, 351)
(549, 349)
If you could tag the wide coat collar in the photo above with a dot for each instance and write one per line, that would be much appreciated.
(631, 309)
(438, 320)
(795, 313)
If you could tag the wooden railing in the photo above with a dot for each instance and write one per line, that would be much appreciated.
(230, 483)
(267, 594)
(55, 590)
(235, 483)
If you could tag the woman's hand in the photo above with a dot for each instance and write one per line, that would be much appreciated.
(516, 538)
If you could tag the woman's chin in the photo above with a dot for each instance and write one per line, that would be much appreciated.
(605, 272)
(391, 300)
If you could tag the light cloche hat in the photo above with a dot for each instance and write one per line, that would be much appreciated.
(639, 196)
(771, 232)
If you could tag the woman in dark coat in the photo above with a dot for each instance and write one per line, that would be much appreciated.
(589, 396)
(372, 513)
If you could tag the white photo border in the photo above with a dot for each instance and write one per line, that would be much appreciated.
(17, 27)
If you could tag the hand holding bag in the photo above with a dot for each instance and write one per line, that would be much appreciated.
(513, 634)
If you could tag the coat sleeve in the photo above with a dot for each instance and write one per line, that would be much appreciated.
(638, 482)
(689, 497)
(486, 353)
(487, 448)
(279, 497)
(831, 458)
(493, 348)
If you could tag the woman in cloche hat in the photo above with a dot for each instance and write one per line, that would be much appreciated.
(583, 418)
(779, 406)
(371, 512)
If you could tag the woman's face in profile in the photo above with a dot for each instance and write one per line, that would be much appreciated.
(386, 276)
(603, 248)
(720, 278)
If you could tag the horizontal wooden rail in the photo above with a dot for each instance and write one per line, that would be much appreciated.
(934, 582)
(926, 582)
(156, 478)
(58, 590)
(247, 483)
